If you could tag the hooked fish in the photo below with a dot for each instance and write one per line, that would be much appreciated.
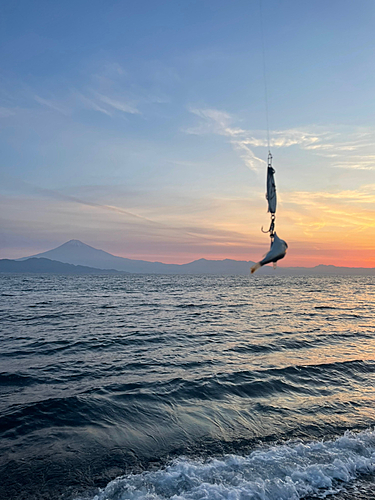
(277, 251)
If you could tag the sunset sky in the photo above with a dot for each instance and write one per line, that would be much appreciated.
(139, 127)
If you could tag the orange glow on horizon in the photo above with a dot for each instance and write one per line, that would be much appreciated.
(320, 228)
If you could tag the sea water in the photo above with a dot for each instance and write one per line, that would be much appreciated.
(186, 387)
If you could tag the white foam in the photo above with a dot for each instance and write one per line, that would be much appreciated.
(289, 471)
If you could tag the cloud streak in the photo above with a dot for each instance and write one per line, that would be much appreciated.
(125, 107)
(52, 105)
(219, 122)
(105, 104)
(90, 103)
(349, 213)
(341, 144)
(108, 89)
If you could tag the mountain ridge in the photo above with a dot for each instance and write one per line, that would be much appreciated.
(76, 252)
(42, 265)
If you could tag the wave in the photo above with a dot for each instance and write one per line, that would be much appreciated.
(286, 471)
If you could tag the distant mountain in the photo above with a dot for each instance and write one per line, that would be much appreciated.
(323, 269)
(78, 253)
(41, 265)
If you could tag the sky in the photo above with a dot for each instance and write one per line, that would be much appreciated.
(140, 128)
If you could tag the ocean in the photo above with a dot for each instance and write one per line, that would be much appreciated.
(187, 387)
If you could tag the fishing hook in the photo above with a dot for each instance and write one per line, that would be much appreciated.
(271, 230)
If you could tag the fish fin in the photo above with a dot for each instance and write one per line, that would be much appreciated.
(275, 265)
(255, 267)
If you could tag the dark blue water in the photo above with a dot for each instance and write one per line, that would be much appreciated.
(186, 387)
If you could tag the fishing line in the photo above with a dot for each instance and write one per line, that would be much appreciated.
(264, 74)
(278, 246)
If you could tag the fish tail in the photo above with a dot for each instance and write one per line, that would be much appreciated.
(255, 267)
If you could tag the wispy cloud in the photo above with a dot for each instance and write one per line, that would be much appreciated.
(220, 122)
(356, 162)
(341, 144)
(364, 195)
(333, 215)
(123, 106)
(90, 103)
(57, 195)
(52, 105)
(105, 104)
(109, 89)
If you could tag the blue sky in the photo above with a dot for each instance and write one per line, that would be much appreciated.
(139, 128)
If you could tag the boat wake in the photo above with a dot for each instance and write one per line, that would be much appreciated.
(290, 471)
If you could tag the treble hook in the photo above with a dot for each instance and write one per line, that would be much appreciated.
(272, 226)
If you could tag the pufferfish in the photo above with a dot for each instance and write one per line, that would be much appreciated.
(277, 251)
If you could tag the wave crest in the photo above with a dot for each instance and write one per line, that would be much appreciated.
(288, 471)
